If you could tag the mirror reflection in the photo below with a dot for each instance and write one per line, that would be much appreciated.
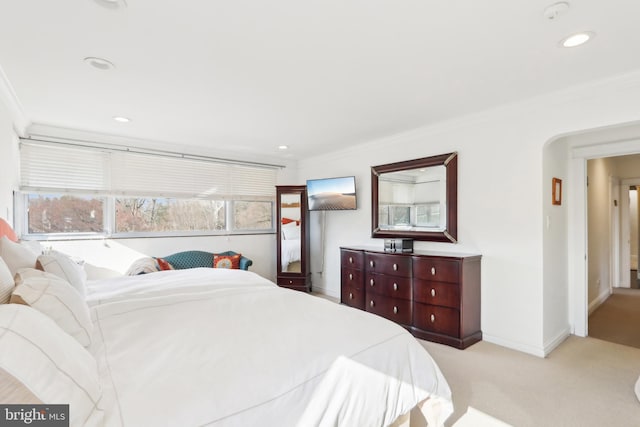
(291, 250)
(416, 199)
(413, 199)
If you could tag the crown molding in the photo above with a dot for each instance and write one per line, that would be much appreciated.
(10, 99)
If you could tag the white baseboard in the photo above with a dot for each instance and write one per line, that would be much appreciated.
(525, 348)
(598, 301)
(324, 291)
(559, 339)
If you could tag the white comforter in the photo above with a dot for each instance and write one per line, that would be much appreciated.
(230, 348)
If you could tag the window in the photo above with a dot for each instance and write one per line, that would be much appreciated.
(428, 214)
(248, 215)
(64, 213)
(168, 215)
(85, 190)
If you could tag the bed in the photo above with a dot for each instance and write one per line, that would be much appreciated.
(291, 245)
(215, 347)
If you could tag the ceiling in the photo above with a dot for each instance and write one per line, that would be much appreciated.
(315, 75)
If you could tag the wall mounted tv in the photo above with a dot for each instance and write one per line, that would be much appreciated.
(331, 194)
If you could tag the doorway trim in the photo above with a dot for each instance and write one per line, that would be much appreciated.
(577, 232)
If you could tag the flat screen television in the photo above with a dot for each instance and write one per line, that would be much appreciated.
(331, 194)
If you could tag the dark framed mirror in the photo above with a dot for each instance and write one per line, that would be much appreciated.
(416, 199)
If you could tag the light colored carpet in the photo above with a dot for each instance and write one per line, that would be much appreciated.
(618, 318)
(584, 382)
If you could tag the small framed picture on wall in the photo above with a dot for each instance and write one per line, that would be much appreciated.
(556, 191)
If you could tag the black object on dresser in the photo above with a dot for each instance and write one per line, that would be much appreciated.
(293, 270)
(435, 295)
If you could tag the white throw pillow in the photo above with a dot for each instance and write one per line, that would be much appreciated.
(6, 282)
(64, 267)
(16, 256)
(57, 299)
(49, 363)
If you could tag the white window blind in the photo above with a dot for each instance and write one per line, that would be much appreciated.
(55, 167)
(58, 168)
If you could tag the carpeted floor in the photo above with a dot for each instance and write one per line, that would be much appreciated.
(618, 318)
(584, 382)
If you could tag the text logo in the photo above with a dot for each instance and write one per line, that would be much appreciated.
(34, 415)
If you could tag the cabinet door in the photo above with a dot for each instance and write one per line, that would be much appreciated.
(442, 320)
(398, 310)
(396, 265)
(391, 286)
(440, 270)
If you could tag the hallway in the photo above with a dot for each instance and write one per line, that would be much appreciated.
(618, 318)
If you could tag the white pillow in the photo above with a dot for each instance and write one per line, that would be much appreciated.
(97, 273)
(291, 231)
(33, 245)
(6, 282)
(16, 256)
(57, 299)
(64, 267)
(48, 362)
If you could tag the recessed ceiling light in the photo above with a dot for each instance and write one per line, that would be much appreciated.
(577, 39)
(121, 119)
(283, 147)
(99, 63)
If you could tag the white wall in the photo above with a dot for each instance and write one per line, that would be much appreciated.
(599, 229)
(501, 209)
(555, 291)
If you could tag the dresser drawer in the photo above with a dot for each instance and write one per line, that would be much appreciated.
(352, 297)
(436, 319)
(437, 269)
(297, 283)
(397, 265)
(351, 277)
(436, 293)
(398, 310)
(391, 286)
(352, 259)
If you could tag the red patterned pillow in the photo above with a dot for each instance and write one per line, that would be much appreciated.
(163, 264)
(226, 261)
(289, 221)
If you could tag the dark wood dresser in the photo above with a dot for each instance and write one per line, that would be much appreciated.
(435, 295)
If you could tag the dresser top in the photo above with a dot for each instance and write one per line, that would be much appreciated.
(444, 254)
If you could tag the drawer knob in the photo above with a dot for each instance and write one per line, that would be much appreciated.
(395, 310)
(350, 260)
(350, 295)
(290, 281)
(395, 286)
(433, 292)
(432, 318)
(395, 267)
(372, 282)
(433, 271)
(350, 276)
(372, 304)
(371, 263)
